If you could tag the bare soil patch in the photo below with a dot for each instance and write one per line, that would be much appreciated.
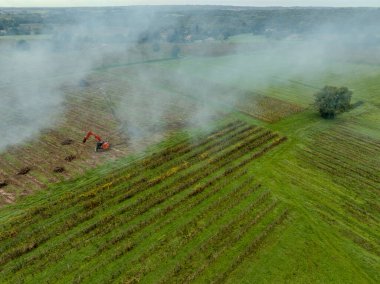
(70, 158)
(24, 171)
(3, 183)
(67, 142)
(59, 169)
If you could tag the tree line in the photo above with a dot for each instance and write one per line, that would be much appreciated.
(184, 23)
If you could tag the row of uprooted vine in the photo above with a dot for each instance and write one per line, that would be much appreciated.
(355, 158)
(236, 167)
(214, 211)
(194, 225)
(121, 177)
(42, 211)
(228, 234)
(338, 168)
(349, 159)
(107, 227)
(152, 251)
(190, 177)
(40, 156)
(252, 247)
(107, 223)
(71, 199)
(105, 198)
(352, 164)
(336, 162)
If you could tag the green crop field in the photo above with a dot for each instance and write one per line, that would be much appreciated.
(271, 193)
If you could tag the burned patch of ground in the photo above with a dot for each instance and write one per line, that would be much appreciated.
(67, 142)
(24, 171)
(84, 109)
(59, 169)
(3, 183)
(70, 158)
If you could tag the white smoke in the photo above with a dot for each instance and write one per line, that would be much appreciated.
(32, 76)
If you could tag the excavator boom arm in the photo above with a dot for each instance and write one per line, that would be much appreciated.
(89, 134)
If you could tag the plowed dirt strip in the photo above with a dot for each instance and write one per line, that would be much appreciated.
(86, 108)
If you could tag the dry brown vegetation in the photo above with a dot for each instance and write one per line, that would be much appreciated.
(266, 108)
(29, 167)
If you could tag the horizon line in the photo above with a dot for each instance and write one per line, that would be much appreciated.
(181, 5)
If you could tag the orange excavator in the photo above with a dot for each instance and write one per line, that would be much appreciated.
(100, 144)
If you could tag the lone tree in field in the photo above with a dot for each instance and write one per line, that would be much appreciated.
(332, 100)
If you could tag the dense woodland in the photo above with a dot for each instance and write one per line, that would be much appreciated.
(189, 23)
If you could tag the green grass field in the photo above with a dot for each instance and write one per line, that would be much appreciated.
(293, 200)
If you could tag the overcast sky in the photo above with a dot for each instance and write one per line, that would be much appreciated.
(74, 3)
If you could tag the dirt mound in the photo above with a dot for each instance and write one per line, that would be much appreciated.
(70, 158)
(59, 169)
(3, 183)
(84, 83)
(24, 171)
(67, 142)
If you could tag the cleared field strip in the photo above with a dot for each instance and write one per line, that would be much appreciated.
(86, 108)
(181, 209)
(351, 160)
(255, 104)
(295, 92)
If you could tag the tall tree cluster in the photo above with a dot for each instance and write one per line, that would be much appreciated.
(332, 100)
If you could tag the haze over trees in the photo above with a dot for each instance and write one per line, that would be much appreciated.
(183, 24)
(332, 100)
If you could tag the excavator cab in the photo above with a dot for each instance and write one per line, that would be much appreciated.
(100, 144)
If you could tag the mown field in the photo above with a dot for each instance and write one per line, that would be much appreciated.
(270, 194)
